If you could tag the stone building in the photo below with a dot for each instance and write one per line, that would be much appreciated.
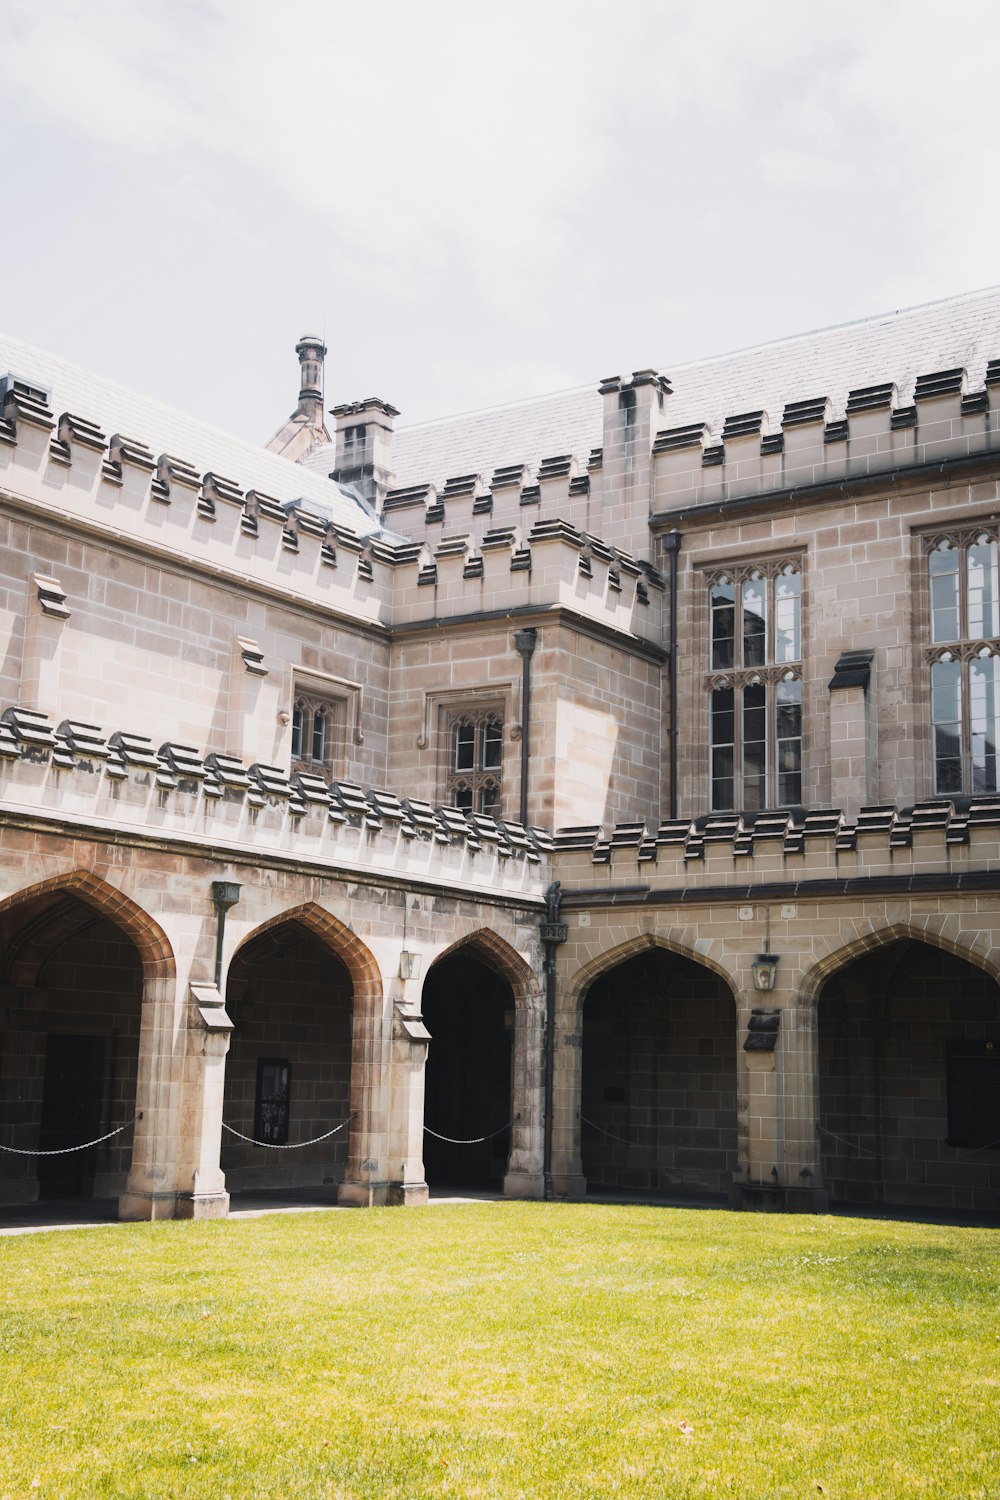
(594, 794)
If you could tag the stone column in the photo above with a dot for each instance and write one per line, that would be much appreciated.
(525, 1176)
(407, 1184)
(568, 1180)
(799, 1060)
(151, 1191)
(366, 1176)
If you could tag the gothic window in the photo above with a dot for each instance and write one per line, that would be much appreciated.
(964, 661)
(475, 766)
(755, 687)
(317, 722)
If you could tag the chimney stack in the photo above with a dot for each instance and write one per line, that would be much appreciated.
(305, 427)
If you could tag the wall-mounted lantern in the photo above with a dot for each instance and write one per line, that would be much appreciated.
(409, 965)
(765, 971)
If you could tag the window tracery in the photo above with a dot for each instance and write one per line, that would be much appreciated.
(475, 768)
(963, 573)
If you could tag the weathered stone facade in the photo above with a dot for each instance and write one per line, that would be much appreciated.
(732, 640)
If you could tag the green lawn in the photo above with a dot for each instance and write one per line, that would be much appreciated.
(502, 1349)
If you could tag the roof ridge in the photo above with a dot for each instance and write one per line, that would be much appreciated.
(694, 364)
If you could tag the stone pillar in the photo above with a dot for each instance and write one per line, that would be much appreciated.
(201, 1183)
(763, 1102)
(407, 1185)
(366, 1176)
(151, 1191)
(802, 1170)
(524, 1177)
(568, 1180)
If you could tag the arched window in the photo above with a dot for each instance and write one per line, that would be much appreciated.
(965, 677)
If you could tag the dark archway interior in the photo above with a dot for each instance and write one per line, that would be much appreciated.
(909, 1061)
(659, 1078)
(469, 1011)
(71, 993)
(288, 1073)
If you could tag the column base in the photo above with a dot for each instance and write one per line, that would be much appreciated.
(202, 1205)
(524, 1185)
(569, 1185)
(768, 1197)
(408, 1194)
(363, 1194)
(147, 1206)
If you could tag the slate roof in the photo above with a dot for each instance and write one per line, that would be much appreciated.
(896, 346)
(116, 409)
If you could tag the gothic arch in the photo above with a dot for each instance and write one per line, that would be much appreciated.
(641, 943)
(344, 944)
(882, 937)
(148, 937)
(498, 955)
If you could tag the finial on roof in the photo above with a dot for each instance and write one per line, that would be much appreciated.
(305, 428)
(311, 352)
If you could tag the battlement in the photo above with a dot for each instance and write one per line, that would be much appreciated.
(809, 446)
(121, 782)
(729, 849)
(463, 557)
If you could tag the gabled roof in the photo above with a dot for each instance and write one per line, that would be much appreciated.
(896, 347)
(114, 408)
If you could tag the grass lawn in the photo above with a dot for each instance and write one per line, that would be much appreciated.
(500, 1350)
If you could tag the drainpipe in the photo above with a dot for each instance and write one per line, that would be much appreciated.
(553, 932)
(672, 546)
(525, 641)
(225, 893)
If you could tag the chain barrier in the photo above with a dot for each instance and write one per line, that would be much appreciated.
(288, 1145)
(850, 1141)
(68, 1150)
(601, 1131)
(475, 1140)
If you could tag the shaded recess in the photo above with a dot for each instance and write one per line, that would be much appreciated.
(909, 1080)
(468, 1009)
(288, 1073)
(71, 998)
(659, 1078)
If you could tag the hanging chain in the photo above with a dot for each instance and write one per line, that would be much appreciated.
(68, 1150)
(475, 1140)
(288, 1145)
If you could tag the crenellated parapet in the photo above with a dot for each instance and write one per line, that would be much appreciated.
(809, 445)
(730, 849)
(122, 782)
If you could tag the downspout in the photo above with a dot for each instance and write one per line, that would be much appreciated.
(672, 546)
(225, 893)
(553, 932)
(525, 641)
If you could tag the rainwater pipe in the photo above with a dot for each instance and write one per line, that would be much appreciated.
(525, 641)
(225, 893)
(553, 932)
(672, 546)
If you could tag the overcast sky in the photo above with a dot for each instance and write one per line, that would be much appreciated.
(476, 203)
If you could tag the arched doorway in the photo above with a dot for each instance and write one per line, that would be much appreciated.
(288, 1073)
(658, 1101)
(909, 1079)
(468, 1008)
(71, 982)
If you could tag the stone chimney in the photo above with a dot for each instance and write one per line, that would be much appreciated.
(364, 447)
(634, 410)
(305, 427)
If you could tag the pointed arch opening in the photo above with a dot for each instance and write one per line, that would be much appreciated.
(908, 1043)
(295, 990)
(76, 957)
(471, 999)
(658, 1110)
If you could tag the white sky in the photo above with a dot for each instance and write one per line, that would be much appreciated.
(478, 202)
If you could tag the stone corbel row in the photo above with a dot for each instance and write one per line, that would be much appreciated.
(748, 834)
(74, 745)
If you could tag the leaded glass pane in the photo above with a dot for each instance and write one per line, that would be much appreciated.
(946, 712)
(984, 729)
(788, 735)
(788, 616)
(723, 624)
(489, 799)
(754, 747)
(754, 601)
(464, 740)
(298, 718)
(723, 729)
(492, 744)
(981, 578)
(943, 567)
(319, 736)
